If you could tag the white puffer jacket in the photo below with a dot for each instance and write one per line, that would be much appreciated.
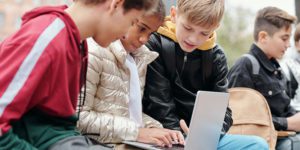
(105, 115)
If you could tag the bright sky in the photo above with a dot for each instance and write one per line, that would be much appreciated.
(255, 5)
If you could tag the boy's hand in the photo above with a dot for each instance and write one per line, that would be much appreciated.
(294, 122)
(184, 127)
(159, 136)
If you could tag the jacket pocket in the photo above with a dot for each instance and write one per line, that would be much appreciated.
(270, 90)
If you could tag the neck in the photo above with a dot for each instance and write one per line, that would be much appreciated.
(263, 48)
(81, 15)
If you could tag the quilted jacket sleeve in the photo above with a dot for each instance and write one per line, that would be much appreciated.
(149, 122)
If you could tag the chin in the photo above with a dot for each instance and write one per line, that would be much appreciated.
(104, 45)
(101, 43)
(188, 49)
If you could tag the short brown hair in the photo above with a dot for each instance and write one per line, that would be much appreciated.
(272, 19)
(128, 4)
(202, 12)
(297, 33)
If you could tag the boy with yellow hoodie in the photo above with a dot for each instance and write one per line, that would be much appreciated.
(189, 60)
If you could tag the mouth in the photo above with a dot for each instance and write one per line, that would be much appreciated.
(135, 46)
(188, 44)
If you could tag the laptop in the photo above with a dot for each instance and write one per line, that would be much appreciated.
(205, 126)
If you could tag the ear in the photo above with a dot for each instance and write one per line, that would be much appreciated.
(115, 4)
(173, 12)
(262, 37)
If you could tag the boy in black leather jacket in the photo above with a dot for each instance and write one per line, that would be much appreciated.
(272, 32)
(189, 61)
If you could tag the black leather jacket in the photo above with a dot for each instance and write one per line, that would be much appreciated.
(169, 98)
(269, 81)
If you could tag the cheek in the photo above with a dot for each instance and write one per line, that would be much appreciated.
(130, 37)
(200, 40)
(180, 35)
(280, 42)
(132, 34)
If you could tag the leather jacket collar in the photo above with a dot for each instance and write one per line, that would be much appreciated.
(269, 64)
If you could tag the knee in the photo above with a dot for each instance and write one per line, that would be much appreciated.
(242, 142)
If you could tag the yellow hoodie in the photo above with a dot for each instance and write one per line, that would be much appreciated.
(168, 30)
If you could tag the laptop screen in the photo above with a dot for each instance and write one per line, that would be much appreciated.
(205, 126)
(207, 120)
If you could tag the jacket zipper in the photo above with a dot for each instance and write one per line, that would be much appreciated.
(184, 62)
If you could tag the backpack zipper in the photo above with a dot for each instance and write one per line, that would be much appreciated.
(184, 62)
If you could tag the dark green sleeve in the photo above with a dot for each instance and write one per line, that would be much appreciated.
(10, 141)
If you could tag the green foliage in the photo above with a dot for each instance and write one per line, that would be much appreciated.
(235, 32)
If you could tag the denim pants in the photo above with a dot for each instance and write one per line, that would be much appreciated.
(286, 143)
(242, 142)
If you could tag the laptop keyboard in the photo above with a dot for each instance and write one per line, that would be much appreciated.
(174, 147)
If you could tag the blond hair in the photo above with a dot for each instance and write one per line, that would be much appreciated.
(202, 12)
(272, 19)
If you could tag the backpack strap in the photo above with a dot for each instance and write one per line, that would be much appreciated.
(254, 62)
(168, 53)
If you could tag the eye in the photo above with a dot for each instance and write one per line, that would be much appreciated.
(187, 28)
(285, 39)
(142, 29)
(205, 34)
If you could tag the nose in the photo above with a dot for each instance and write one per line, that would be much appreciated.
(193, 38)
(196, 38)
(144, 39)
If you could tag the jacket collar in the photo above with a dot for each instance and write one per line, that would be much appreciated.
(269, 64)
(168, 29)
(143, 54)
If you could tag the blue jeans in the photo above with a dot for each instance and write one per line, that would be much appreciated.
(242, 142)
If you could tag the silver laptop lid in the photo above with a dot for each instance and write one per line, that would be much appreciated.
(206, 123)
(207, 120)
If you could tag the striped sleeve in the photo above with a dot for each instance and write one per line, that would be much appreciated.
(23, 65)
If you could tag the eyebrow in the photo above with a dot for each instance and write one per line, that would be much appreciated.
(146, 26)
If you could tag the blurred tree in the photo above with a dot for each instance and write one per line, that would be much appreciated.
(235, 32)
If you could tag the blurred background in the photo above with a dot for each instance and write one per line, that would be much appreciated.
(234, 34)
